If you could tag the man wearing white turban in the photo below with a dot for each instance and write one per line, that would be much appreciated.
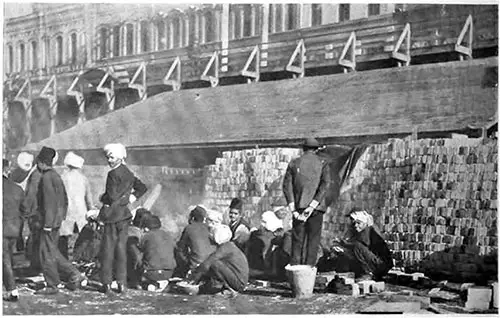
(364, 250)
(79, 200)
(224, 269)
(122, 188)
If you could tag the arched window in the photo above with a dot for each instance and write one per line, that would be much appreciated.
(74, 44)
(209, 27)
(176, 24)
(316, 14)
(34, 55)
(247, 20)
(162, 35)
(59, 50)
(275, 18)
(103, 33)
(116, 40)
(22, 57)
(46, 57)
(11, 59)
(344, 12)
(292, 16)
(130, 39)
(145, 47)
(236, 23)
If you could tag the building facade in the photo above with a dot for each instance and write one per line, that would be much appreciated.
(67, 63)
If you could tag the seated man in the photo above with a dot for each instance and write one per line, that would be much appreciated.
(135, 234)
(156, 262)
(364, 251)
(194, 245)
(265, 251)
(224, 269)
(239, 227)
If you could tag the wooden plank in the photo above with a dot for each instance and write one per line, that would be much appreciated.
(436, 97)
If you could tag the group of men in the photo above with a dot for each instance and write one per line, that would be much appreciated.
(134, 249)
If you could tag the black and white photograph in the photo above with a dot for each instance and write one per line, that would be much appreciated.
(226, 158)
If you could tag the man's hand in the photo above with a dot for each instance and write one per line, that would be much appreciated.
(296, 215)
(47, 229)
(132, 198)
(338, 249)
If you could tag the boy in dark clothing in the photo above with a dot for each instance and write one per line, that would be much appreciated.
(157, 263)
(122, 188)
(53, 204)
(13, 195)
(226, 268)
(194, 245)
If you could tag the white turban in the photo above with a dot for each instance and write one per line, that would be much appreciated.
(214, 215)
(117, 150)
(270, 221)
(25, 161)
(222, 234)
(73, 160)
(362, 216)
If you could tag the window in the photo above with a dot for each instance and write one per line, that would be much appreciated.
(247, 20)
(130, 39)
(34, 55)
(74, 43)
(11, 59)
(176, 31)
(373, 9)
(116, 40)
(209, 27)
(22, 57)
(344, 12)
(46, 59)
(278, 26)
(293, 16)
(145, 47)
(104, 42)
(316, 14)
(162, 35)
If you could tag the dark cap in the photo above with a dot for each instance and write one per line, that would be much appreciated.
(198, 213)
(140, 214)
(46, 155)
(236, 203)
(152, 222)
(311, 143)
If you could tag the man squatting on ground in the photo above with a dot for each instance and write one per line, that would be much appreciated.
(122, 188)
(305, 184)
(238, 225)
(13, 196)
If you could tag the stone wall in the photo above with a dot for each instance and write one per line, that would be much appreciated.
(435, 200)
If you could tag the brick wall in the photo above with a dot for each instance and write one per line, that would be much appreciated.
(435, 200)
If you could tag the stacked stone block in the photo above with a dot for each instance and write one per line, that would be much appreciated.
(254, 175)
(435, 200)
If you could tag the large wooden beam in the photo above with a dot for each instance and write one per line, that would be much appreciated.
(434, 97)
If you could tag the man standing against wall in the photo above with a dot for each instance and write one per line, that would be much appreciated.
(306, 182)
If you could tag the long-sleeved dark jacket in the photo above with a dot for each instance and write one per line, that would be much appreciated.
(30, 202)
(12, 212)
(232, 256)
(195, 245)
(157, 248)
(307, 178)
(52, 199)
(120, 184)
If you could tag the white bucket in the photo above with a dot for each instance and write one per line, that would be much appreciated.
(302, 279)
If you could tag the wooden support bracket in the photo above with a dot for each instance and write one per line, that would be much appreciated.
(80, 99)
(50, 92)
(403, 57)
(462, 49)
(213, 79)
(254, 56)
(142, 87)
(349, 65)
(297, 70)
(109, 91)
(175, 83)
(26, 101)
